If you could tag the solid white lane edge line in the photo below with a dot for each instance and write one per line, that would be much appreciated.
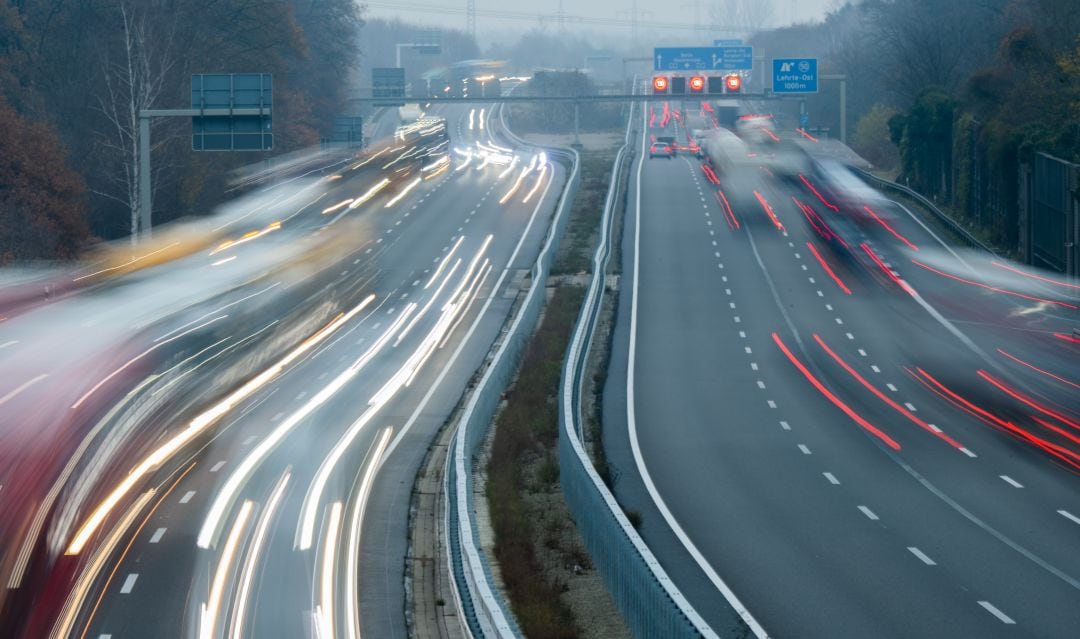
(646, 478)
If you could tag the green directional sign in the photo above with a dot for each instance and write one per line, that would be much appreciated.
(388, 83)
(241, 92)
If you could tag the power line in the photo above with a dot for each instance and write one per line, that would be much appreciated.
(503, 14)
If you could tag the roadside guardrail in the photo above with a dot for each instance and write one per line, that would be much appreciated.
(485, 612)
(961, 233)
(651, 604)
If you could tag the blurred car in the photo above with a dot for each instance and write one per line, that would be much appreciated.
(663, 146)
(756, 129)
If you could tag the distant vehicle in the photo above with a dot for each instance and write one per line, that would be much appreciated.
(786, 159)
(756, 129)
(663, 146)
(725, 151)
(420, 143)
(410, 113)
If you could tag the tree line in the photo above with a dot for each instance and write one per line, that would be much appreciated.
(952, 96)
(74, 74)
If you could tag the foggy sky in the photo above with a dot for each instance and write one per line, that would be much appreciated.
(783, 12)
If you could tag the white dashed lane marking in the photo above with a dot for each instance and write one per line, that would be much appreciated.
(1068, 515)
(832, 479)
(805, 450)
(1010, 481)
(187, 496)
(216, 467)
(129, 583)
(869, 513)
(158, 534)
(785, 425)
(922, 556)
(1004, 618)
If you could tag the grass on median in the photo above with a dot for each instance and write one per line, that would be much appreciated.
(527, 428)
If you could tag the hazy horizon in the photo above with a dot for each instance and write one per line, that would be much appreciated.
(608, 21)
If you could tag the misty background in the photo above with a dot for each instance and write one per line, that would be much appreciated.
(950, 96)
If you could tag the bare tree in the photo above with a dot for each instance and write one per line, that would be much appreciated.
(930, 43)
(135, 70)
(742, 15)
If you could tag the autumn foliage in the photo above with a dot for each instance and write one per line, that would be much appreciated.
(42, 214)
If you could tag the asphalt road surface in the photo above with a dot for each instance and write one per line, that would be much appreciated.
(296, 507)
(797, 439)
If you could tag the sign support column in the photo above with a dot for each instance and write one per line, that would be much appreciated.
(146, 198)
(843, 102)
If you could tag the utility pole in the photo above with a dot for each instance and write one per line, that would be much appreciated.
(635, 16)
(696, 6)
(470, 18)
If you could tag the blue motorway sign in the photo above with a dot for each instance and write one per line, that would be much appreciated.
(794, 75)
(703, 58)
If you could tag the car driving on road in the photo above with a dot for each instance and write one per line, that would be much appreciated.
(663, 146)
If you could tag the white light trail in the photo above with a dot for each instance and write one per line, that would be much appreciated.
(326, 609)
(443, 262)
(247, 575)
(209, 611)
(232, 486)
(200, 423)
(337, 206)
(370, 193)
(405, 191)
(430, 302)
(463, 165)
(509, 168)
(517, 183)
(539, 181)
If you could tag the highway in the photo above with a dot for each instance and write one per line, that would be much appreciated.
(825, 446)
(273, 503)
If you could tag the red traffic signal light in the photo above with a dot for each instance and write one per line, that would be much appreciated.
(659, 84)
(733, 83)
(697, 84)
